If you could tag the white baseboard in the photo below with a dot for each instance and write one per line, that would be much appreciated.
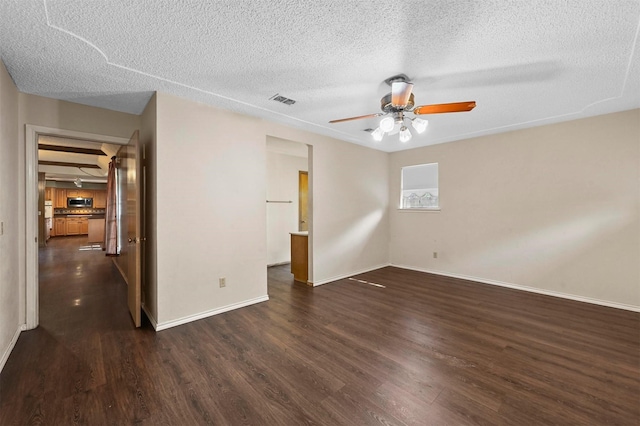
(527, 288)
(12, 344)
(206, 314)
(152, 320)
(278, 264)
(341, 277)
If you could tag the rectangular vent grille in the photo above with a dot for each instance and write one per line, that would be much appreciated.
(283, 100)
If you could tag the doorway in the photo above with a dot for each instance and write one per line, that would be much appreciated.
(289, 197)
(32, 135)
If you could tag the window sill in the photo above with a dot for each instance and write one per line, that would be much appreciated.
(420, 209)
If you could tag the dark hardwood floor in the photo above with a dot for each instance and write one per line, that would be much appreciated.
(424, 350)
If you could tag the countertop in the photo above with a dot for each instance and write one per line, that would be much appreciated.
(300, 233)
(89, 216)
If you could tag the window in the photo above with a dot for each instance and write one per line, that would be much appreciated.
(419, 187)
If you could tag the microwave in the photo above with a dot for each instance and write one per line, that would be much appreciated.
(79, 202)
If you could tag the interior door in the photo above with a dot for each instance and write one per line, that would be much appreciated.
(303, 191)
(130, 170)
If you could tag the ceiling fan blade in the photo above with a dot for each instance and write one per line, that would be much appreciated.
(442, 108)
(400, 93)
(356, 118)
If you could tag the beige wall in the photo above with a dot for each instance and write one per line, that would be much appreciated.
(12, 260)
(553, 208)
(211, 173)
(39, 111)
(211, 210)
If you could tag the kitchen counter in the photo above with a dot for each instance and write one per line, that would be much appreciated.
(96, 229)
(300, 256)
(90, 216)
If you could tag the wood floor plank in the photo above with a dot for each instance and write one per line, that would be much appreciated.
(423, 350)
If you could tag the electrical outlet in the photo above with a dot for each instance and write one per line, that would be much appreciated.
(435, 254)
(223, 282)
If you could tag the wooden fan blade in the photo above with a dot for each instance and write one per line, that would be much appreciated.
(400, 93)
(356, 118)
(442, 108)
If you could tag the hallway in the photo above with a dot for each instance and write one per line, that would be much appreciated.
(83, 316)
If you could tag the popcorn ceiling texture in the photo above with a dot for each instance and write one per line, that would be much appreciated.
(526, 63)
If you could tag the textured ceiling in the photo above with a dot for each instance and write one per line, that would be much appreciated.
(525, 63)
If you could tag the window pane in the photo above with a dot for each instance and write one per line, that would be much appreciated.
(420, 187)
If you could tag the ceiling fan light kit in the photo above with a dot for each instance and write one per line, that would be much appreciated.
(400, 101)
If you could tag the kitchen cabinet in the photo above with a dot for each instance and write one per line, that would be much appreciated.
(70, 226)
(77, 226)
(60, 198)
(99, 199)
(300, 256)
(60, 226)
(73, 226)
(79, 193)
(96, 231)
(84, 226)
(48, 193)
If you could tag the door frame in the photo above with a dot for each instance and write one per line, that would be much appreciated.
(31, 207)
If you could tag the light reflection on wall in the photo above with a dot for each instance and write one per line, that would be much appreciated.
(353, 239)
(548, 248)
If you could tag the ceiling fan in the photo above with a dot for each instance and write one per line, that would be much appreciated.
(401, 101)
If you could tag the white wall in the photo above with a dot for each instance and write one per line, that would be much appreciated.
(553, 208)
(11, 258)
(217, 159)
(282, 218)
(211, 220)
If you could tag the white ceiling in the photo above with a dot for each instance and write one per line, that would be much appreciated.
(525, 62)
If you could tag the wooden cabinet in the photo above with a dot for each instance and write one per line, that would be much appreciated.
(60, 198)
(73, 226)
(77, 226)
(96, 231)
(300, 256)
(60, 226)
(70, 226)
(48, 193)
(79, 193)
(84, 226)
(99, 199)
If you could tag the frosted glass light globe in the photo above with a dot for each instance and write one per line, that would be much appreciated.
(405, 134)
(387, 124)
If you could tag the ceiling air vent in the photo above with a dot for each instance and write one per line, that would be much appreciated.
(369, 130)
(279, 98)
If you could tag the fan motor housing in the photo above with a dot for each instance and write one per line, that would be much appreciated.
(385, 104)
